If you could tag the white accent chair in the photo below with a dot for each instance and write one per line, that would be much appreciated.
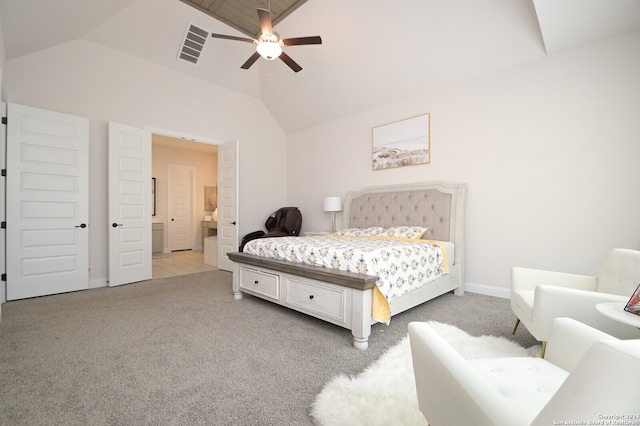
(586, 374)
(538, 296)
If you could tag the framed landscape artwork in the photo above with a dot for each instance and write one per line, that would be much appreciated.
(403, 143)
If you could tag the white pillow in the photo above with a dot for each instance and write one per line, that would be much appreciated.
(361, 232)
(413, 232)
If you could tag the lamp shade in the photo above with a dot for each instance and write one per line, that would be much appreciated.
(332, 204)
(269, 50)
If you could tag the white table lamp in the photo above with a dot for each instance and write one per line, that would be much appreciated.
(333, 205)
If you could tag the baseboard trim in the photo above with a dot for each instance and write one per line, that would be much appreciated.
(487, 290)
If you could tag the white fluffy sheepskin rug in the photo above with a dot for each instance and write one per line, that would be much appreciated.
(385, 392)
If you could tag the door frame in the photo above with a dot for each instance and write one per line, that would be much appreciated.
(205, 140)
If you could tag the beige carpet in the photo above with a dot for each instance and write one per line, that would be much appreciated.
(182, 351)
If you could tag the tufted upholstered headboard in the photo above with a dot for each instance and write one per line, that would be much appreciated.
(438, 206)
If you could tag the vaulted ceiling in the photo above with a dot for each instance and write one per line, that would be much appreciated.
(374, 52)
(241, 14)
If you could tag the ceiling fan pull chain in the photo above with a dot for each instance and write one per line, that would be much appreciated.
(268, 73)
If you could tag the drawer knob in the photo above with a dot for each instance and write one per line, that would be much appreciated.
(311, 296)
(255, 282)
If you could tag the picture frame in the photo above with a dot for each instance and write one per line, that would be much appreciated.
(402, 143)
(153, 196)
(210, 198)
(633, 305)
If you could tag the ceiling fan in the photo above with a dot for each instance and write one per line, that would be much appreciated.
(269, 45)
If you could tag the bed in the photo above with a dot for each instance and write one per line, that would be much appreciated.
(347, 298)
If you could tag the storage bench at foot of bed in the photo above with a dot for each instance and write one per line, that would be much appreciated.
(341, 298)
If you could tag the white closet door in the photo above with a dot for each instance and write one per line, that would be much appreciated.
(129, 204)
(47, 216)
(181, 180)
(227, 203)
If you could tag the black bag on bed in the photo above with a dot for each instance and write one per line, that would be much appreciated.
(284, 222)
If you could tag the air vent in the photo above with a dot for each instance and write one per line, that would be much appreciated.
(193, 44)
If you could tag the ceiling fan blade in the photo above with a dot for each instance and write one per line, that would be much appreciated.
(252, 59)
(265, 21)
(292, 64)
(228, 37)
(299, 41)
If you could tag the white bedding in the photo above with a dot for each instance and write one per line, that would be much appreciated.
(400, 264)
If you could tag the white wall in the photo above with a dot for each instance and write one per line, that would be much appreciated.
(550, 151)
(104, 85)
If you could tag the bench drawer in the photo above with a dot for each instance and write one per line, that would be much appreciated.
(317, 298)
(259, 282)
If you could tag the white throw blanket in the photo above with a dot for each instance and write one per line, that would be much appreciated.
(385, 393)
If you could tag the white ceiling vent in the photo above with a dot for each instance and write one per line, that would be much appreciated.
(193, 43)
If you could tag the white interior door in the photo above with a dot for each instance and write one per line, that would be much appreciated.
(3, 165)
(180, 199)
(227, 203)
(129, 204)
(48, 216)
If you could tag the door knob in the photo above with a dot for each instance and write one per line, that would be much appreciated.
(233, 223)
(82, 225)
(115, 225)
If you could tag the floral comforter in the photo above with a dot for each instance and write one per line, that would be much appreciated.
(400, 264)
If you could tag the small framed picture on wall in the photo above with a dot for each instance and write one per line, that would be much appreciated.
(403, 143)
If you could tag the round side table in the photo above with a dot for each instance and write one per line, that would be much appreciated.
(616, 312)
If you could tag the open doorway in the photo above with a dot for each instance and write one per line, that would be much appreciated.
(179, 248)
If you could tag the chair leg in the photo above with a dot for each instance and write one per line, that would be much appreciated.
(543, 350)
(517, 323)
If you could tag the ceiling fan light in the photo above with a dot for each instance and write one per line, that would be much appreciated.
(269, 50)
